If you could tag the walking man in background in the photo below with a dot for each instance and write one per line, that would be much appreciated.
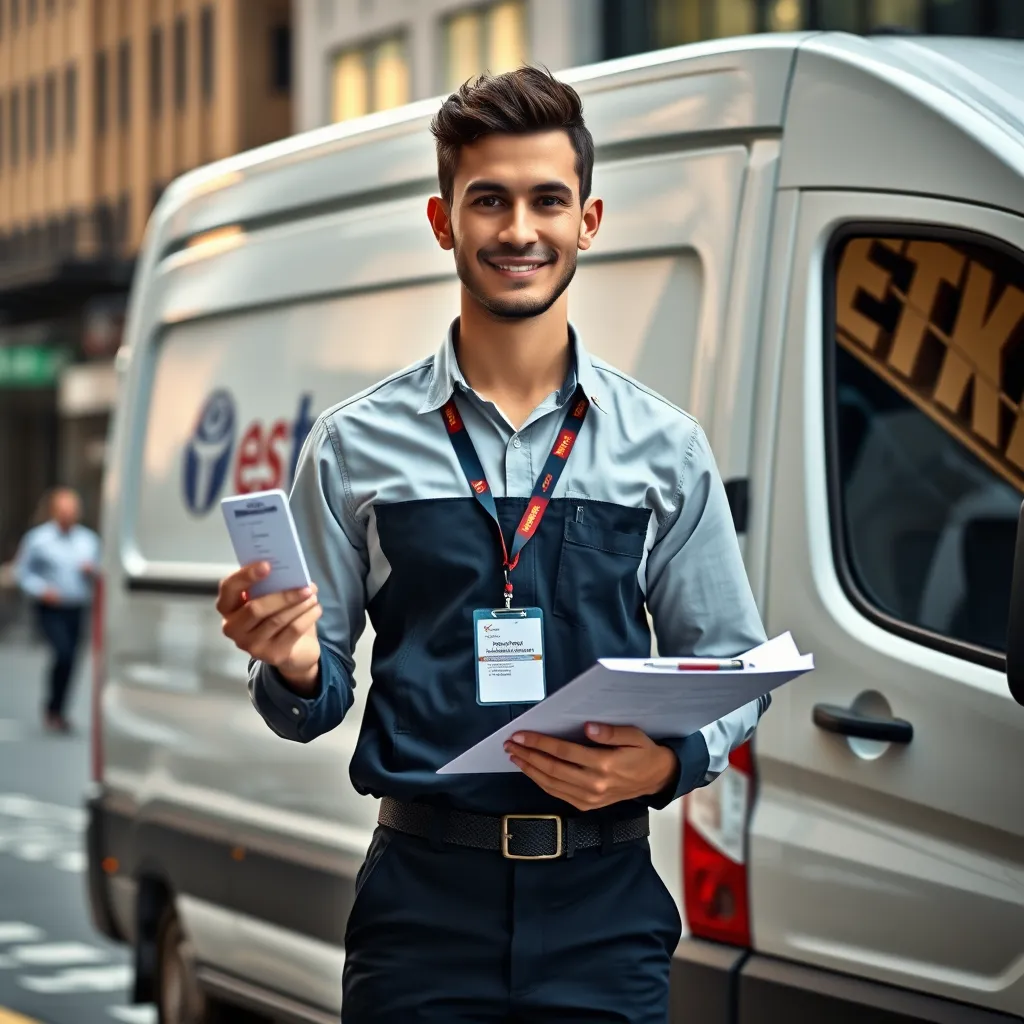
(55, 566)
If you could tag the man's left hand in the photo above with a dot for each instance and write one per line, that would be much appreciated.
(628, 764)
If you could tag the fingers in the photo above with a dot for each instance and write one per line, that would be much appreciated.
(274, 647)
(574, 753)
(564, 771)
(618, 735)
(580, 798)
(278, 608)
(231, 589)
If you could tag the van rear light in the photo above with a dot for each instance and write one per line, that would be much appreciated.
(715, 821)
(99, 672)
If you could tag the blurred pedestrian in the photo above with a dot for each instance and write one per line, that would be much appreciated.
(55, 566)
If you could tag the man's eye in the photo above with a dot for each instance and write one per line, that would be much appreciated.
(552, 201)
(490, 201)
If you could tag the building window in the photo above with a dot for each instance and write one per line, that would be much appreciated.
(124, 82)
(281, 59)
(50, 113)
(370, 78)
(31, 111)
(180, 62)
(927, 417)
(206, 52)
(156, 71)
(15, 127)
(71, 103)
(484, 39)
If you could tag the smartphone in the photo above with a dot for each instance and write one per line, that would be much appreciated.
(262, 530)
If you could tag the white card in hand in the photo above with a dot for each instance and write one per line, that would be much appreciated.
(262, 530)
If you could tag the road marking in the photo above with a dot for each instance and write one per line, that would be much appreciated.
(58, 954)
(73, 860)
(81, 979)
(10, 1017)
(18, 805)
(19, 931)
(132, 1014)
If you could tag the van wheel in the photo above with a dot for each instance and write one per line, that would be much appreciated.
(180, 999)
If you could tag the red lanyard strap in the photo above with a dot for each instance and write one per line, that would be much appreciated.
(542, 489)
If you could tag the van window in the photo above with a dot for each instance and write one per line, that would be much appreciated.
(927, 393)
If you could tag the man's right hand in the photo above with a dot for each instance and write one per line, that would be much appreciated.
(279, 629)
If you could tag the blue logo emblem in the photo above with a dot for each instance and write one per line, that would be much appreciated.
(208, 454)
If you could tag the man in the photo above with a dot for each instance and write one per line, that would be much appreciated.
(509, 478)
(55, 566)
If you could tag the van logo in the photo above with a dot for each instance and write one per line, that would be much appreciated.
(946, 331)
(263, 458)
(208, 454)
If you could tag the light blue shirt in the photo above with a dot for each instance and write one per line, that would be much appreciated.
(50, 558)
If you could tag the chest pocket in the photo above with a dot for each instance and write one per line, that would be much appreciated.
(602, 546)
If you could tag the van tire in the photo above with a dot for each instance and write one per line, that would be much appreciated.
(180, 998)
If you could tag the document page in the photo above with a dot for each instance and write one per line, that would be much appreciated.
(662, 702)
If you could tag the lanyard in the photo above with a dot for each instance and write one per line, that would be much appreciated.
(545, 485)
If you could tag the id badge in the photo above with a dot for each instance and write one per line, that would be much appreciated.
(509, 647)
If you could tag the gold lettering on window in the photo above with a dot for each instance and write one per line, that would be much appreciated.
(936, 263)
(857, 273)
(975, 352)
(947, 333)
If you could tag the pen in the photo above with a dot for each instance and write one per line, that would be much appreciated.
(696, 664)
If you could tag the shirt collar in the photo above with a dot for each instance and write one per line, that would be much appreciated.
(445, 374)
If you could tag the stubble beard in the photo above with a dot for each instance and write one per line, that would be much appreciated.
(512, 308)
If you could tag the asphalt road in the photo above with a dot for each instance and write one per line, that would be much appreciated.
(54, 968)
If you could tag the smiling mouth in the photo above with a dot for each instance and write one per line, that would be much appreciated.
(516, 269)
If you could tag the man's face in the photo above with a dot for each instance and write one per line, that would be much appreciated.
(66, 509)
(516, 221)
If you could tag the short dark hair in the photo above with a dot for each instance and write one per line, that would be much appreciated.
(519, 102)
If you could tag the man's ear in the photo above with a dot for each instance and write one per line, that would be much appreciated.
(440, 222)
(593, 211)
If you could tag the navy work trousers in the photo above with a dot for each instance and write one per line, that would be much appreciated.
(61, 628)
(451, 935)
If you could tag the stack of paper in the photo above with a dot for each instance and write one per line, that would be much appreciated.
(661, 702)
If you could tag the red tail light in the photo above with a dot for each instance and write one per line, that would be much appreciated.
(715, 821)
(99, 672)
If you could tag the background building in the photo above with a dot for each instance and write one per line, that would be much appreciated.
(358, 56)
(102, 103)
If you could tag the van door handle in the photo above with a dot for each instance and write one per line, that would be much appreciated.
(844, 722)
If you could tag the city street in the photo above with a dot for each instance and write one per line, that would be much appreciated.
(54, 968)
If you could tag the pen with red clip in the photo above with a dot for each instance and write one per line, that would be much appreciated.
(697, 664)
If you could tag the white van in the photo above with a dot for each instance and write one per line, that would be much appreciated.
(814, 243)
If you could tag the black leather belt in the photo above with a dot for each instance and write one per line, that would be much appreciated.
(515, 836)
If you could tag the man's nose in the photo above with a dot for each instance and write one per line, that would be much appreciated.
(518, 231)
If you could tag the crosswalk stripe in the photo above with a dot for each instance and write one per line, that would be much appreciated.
(132, 1014)
(19, 931)
(81, 979)
(10, 1017)
(58, 954)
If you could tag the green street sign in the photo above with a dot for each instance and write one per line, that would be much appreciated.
(29, 366)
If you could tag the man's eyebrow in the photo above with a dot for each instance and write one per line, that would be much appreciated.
(545, 188)
(487, 186)
(553, 187)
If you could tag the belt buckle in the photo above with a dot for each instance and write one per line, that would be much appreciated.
(506, 836)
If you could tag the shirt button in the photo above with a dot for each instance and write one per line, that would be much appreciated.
(516, 443)
(295, 711)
